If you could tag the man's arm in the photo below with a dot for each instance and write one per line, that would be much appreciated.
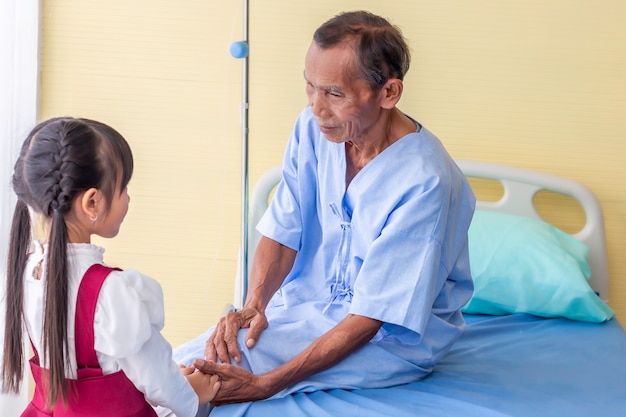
(239, 385)
(272, 263)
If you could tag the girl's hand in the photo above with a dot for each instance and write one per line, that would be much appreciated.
(206, 386)
(187, 370)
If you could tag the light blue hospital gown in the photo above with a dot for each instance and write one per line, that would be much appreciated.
(392, 246)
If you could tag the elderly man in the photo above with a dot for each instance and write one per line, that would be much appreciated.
(363, 266)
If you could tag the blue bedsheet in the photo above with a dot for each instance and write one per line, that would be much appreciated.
(517, 365)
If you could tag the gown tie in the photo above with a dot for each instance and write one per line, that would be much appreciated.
(340, 288)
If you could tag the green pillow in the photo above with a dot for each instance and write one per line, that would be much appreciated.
(522, 265)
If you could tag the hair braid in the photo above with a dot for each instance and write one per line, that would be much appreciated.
(62, 185)
(60, 194)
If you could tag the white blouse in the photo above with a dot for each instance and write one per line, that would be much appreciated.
(127, 324)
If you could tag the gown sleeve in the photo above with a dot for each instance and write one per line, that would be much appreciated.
(127, 326)
(283, 219)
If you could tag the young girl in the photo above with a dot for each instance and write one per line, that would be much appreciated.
(94, 330)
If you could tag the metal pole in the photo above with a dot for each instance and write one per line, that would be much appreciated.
(244, 156)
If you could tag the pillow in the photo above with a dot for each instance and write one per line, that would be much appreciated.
(522, 265)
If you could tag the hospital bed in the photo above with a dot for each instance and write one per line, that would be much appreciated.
(540, 341)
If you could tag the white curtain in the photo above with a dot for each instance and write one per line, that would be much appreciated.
(19, 87)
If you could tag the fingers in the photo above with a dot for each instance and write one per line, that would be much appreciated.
(210, 353)
(187, 370)
(222, 344)
(205, 385)
(215, 382)
(232, 324)
(257, 325)
(205, 366)
(216, 346)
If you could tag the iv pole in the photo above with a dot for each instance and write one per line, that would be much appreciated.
(240, 50)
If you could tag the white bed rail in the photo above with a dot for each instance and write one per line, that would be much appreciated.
(520, 186)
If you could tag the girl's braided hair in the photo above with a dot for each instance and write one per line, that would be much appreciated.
(59, 159)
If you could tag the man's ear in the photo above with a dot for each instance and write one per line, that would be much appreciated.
(391, 93)
(89, 202)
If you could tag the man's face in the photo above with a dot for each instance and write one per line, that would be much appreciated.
(344, 105)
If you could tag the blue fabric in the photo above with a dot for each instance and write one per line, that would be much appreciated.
(522, 265)
(515, 365)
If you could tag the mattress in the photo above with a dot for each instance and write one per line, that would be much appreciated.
(511, 365)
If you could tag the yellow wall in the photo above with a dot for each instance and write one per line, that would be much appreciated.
(160, 72)
(536, 84)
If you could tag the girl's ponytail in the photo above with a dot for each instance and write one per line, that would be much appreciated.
(19, 245)
(56, 307)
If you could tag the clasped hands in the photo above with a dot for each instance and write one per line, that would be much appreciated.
(237, 384)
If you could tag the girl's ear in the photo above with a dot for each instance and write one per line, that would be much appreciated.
(89, 202)
(391, 93)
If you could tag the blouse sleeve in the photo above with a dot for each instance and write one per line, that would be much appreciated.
(129, 318)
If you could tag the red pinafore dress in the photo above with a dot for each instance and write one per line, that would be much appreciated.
(92, 394)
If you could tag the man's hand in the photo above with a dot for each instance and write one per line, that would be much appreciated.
(222, 343)
(237, 384)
